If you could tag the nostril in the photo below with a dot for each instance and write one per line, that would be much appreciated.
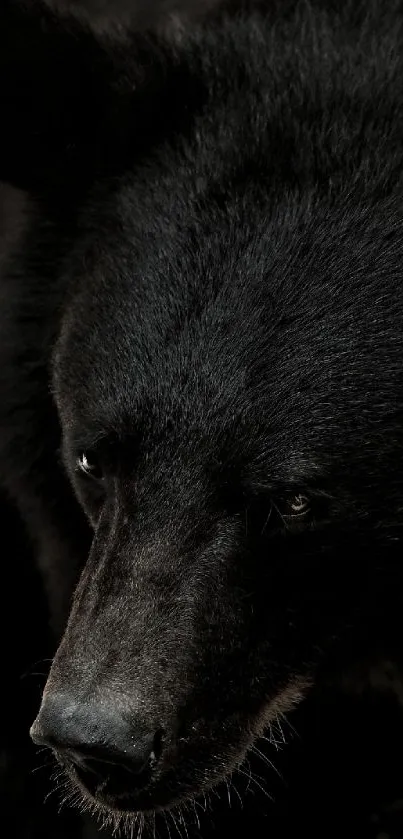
(157, 748)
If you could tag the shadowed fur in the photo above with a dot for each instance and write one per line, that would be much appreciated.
(201, 362)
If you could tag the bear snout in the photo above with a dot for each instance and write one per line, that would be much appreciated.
(95, 742)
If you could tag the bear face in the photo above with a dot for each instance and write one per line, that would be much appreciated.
(225, 363)
(228, 547)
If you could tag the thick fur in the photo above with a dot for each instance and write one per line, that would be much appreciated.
(206, 299)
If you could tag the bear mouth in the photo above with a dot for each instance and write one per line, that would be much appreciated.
(122, 792)
(119, 790)
(111, 796)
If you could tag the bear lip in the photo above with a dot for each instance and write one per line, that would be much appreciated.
(108, 797)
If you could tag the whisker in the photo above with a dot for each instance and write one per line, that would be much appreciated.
(266, 760)
(253, 779)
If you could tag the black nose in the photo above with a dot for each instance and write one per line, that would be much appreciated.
(98, 741)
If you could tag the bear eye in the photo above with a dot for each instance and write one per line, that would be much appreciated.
(89, 465)
(297, 507)
(296, 510)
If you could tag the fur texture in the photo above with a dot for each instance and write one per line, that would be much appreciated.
(206, 301)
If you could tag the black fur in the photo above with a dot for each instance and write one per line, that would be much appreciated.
(206, 299)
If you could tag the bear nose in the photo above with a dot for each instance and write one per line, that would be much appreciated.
(96, 739)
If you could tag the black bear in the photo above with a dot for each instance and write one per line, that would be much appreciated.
(201, 377)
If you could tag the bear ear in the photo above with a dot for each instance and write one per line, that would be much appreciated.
(75, 100)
